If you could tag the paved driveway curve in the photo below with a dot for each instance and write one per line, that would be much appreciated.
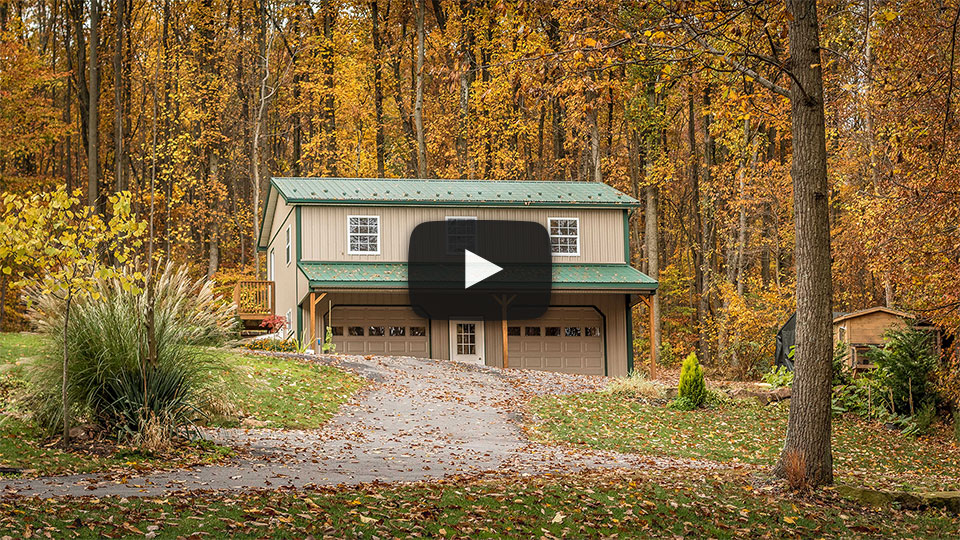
(420, 419)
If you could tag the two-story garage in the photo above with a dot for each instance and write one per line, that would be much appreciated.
(336, 251)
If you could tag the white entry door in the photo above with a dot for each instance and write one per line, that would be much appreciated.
(466, 341)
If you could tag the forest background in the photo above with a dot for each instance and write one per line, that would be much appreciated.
(207, 99)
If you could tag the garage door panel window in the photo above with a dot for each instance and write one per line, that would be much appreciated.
(591, 331)
(363, 235)
(572, 331)
(377, 331)
(565, 236)
(336, 330)
(418, 331)
(513, 330)
(552, 331)
(356, 331)
(532, 330)
(398, 331)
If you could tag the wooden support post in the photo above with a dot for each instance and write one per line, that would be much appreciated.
(653, 342)
(315, 329)
(504, 302)
(648, 300)
(313, 321)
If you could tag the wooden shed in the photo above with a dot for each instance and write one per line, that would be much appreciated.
(863, 329)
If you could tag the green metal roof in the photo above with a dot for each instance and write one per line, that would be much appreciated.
(399, 191)
(359, 275)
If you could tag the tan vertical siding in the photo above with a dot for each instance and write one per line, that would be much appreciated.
(325, 230)
(286, 275)
(870, 328)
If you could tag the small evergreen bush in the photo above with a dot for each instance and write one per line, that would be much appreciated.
(905, 366)
(692, 386)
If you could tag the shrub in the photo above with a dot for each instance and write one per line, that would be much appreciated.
(778, 377)
(636, 385)
(692, 385)
(274, 323)
(683, 403)
(274, 345)
(328, 346)
(111, 381)
(840, 356)
(905, 366)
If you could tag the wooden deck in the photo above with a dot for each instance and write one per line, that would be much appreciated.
(255, 301)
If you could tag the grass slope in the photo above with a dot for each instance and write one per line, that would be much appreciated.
(286, 393)
(744, 432)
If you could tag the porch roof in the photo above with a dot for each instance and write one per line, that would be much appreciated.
(377, 275)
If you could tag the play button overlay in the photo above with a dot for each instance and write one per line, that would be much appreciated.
(476, 269)
(463, 268)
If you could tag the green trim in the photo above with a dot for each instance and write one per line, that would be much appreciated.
(526, 204)
(626, 236)
(296, 284)
(282, 223)
(567, 277)
(629, 318)
(449, 192)
(263, 218)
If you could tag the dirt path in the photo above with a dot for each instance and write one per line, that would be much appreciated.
(420, 419)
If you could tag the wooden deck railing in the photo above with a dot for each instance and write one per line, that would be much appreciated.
(255, 299)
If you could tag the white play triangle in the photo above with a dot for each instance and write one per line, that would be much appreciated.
(476, 269)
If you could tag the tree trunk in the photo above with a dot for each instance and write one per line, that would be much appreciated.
(378, 86)
(93, 112)
(418, 104)
(594, 171)
(329, 104)
(653, 251)
(705, 212)
(118, 181)
(467, 66)
(695, 244)
(809, 425)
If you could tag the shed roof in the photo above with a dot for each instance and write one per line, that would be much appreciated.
(418, 192)
(357, 275)
(877, 309)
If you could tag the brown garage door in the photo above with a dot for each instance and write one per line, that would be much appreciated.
(569, 340)
(380, 330)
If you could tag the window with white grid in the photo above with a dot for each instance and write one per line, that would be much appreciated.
(565, 236)
(363, 235)
(461, 234)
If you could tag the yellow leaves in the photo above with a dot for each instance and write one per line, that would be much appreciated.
(590, 42)
(889, 14)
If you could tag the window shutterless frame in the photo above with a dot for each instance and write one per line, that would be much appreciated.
(271, 265)
(287, 249)
(564, 236)
(367, 234)
(461, 239)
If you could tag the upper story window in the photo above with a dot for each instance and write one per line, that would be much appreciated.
(565, 236)
(461, 234)
(363, 235)
(271, 268)
(287, 249)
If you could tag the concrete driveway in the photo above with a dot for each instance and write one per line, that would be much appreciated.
(419, 419)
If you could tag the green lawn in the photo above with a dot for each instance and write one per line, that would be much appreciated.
(865, 453)
(654, 504)
(285, 393)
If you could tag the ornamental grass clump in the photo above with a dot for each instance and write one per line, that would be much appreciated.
(692, 391)
(112, 382)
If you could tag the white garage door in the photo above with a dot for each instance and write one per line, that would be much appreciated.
(380, 330)
(568, 340)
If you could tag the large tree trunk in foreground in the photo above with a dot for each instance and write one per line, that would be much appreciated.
(808, 429)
